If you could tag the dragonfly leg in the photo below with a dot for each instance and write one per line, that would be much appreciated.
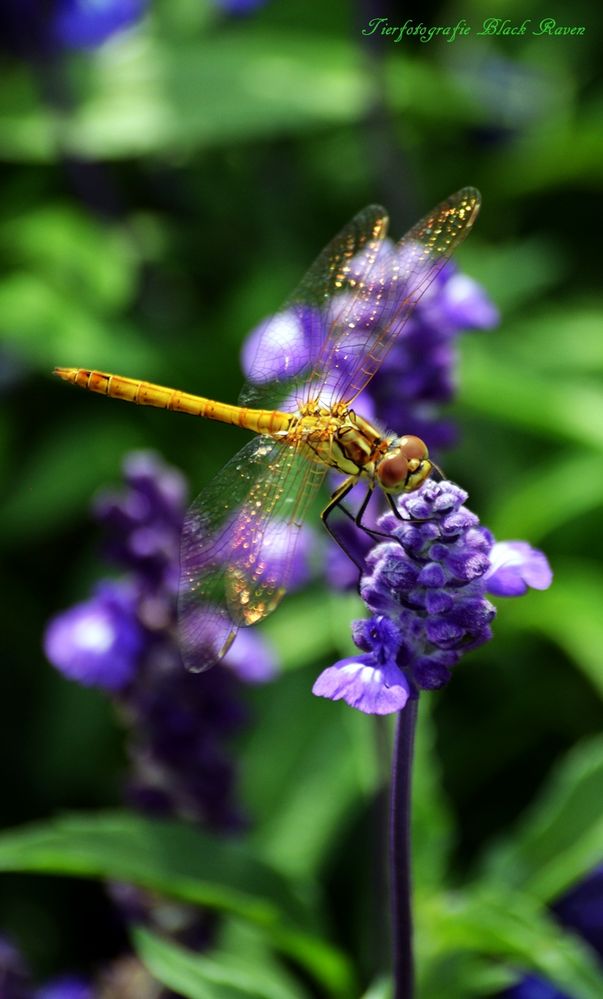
(372, 532)
(392, 505)
(336, 501)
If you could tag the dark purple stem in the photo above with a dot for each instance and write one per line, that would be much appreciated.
(400, 852)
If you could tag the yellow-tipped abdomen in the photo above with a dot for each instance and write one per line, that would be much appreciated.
(262, 421)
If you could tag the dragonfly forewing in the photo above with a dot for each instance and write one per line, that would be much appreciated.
(280, 358)
(238, 546)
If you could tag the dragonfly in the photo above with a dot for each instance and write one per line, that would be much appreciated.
(352, 305)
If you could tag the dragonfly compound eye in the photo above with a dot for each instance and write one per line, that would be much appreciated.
(392, 471)
(414, 450)
(406, 467)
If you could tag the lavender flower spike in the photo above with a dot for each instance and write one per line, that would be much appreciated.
(427, 591)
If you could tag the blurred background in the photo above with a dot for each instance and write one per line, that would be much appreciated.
(169, 171)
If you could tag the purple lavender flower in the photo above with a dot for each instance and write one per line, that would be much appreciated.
(143, 524)
(418, 374)
(533, 987)
(581, 909)
(99, 642)
(515, 567)
(14, 976)
(80, 24)
(66, 987)
(34, 28)
(122, 640)
(426, 590)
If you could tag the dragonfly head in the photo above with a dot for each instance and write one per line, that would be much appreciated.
(404, 466)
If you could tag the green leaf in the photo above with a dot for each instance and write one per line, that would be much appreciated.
(535, 264)
(47, 325)
(89, 261)
(321, 767)
(512, 928)
(559, 407)
(140, 94)
(460, 974)
(219, 975)
(180, 862)
(320, 621)
(432, 825)
(547, 497)
(568, 614)
(559, 839)
(564, 338)
(56, 479)
(542, 160)
(382, 988)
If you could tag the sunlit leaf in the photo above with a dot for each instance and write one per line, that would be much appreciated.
(217, 975)
(47, 325)
(89, 261)
(381, 989)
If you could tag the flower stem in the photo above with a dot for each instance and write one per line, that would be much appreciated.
(400, 851)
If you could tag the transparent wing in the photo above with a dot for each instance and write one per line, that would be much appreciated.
(333, 335)
(280, 357)
(367, 315)
(230, 575)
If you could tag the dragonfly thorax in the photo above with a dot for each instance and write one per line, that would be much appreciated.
(404, 466)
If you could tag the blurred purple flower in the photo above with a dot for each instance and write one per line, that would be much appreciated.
(533, 987)
(426, 589)
(99, 642)
(14, 975)
(83, 24)
(34, 28)
(67, 987)
(143, 523)
(281, 346)
(581, 909)
(122, 639)
(417, 376)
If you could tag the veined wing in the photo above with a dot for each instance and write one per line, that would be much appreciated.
(228, 575)
(281, 356)
(379, 294)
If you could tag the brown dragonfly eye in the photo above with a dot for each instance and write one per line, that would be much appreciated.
(405, 468)
(415, 450)
(392, 470)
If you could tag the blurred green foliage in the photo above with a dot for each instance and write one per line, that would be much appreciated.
(147, 223)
